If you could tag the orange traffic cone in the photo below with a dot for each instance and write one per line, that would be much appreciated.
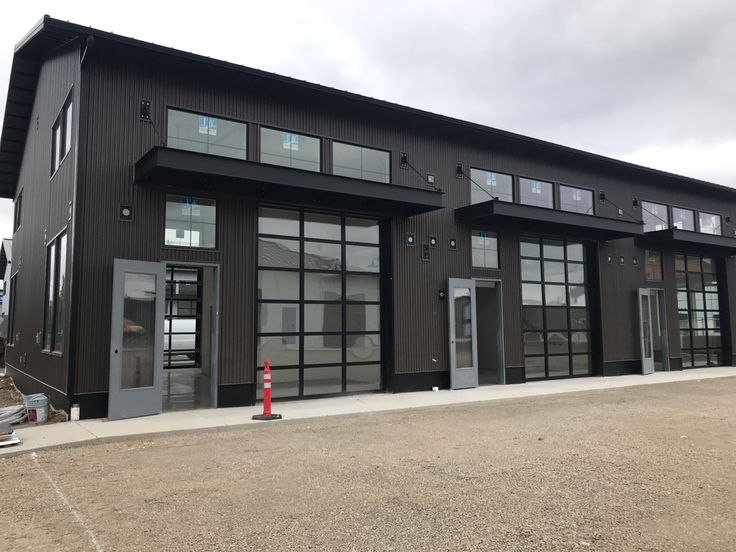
(267, 415)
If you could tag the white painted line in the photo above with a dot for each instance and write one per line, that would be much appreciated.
(65, 502)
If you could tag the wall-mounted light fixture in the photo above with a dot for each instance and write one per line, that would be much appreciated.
(635, 203)
(459, 170)
(145, 110)
(622, 260)
(602, 196)
(453, 244)
(125, 213)
(430, 178)
(404, 160)
(441, 295)
(411, 239)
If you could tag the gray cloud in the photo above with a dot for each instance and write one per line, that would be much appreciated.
(649, 81)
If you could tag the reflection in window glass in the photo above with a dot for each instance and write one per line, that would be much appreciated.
(485, 249)
(361, 230)
(655, 216)
(322, 256)
(653, 265)
(205, 134)
(710, 223)
(486, 186)
(536, 192)
(289, 149)
(278, 221)
(362, 258)
(324, 227)
(360, 162)
(576, 200)
(684, 219)
(190, 221)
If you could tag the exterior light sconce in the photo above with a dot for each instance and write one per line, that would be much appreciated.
(621, 260)
(453, 244)
(404, 160)
(621, 212)
(411, 239)
(634, 261)
(609, 259)
(430, 179)
(602, 196)
(145, 110)
(459, 170)
(433, 241)
(441, 295)
(126, 213)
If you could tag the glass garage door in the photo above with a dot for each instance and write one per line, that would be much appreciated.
(555, 312)
(698, 311)
(318, 319)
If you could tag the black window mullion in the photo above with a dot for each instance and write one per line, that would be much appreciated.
(343, 309)
(301, 305)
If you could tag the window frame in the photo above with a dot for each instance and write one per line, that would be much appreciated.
(248, 125)
(558, 199)
(661, 265)
(60, 124)
(321, 140)
(514, 191)
(498, 248)
(11, 309)
(334, 141)
(672, 217)
(55, 242)
(667, 207)
(699, 226)
(552, 183)
(188, 193)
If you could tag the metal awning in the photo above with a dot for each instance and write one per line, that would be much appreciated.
(501, 214)
(172, 167)
(685, 240)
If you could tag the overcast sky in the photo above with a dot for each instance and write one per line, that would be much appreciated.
(647, 81)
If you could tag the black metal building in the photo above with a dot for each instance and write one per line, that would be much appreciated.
(180, 220)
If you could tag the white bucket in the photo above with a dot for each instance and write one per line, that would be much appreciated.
(37, 408)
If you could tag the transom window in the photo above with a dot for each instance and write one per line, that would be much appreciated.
(485, 249)
(206, 134)
(319, 302)
(536, 192)
(684, 219)
(487, 185)
(190, 221)
(576, 200)
(361, 162)
(289, 149)
(710, 223)
(655, 216)
(555, 310)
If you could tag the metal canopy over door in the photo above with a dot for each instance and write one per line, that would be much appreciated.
(136, 339)
(463, 333)
(645, 332)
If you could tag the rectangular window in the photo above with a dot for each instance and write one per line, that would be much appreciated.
(684, 219)
(61, 136)
(576, 200)
(11, 308)
(190, 222)
(536, 192)
(17, 212)
(288, 149)
(205, 134)
(485, 249)
(655, 216)
(653, 265)
(486, 185)
(54, 319)
(362, 163)
(710, 223)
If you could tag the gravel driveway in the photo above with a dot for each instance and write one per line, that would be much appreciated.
(643, 468)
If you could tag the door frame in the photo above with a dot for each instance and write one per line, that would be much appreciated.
(471, 372)
(215, 345)
(662, 314)
(140, 401)
(501, 357)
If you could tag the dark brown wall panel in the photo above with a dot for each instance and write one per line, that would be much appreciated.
(45, 214)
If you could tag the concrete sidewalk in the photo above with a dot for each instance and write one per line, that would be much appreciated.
(38, 437)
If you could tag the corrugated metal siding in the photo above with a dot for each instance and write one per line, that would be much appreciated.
(117, 139)
(45, 214)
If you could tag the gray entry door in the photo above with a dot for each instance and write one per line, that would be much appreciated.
(136, 339)
(463, 332)
(645, 331)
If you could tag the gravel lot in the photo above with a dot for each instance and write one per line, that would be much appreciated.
(644, 468)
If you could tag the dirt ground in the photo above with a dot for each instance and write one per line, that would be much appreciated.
(644, 468)
(10, 396)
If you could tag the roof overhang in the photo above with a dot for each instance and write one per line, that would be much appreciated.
(179, 168)
(501, 214)
(684, 240)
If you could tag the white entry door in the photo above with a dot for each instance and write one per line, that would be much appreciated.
(463, 340)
